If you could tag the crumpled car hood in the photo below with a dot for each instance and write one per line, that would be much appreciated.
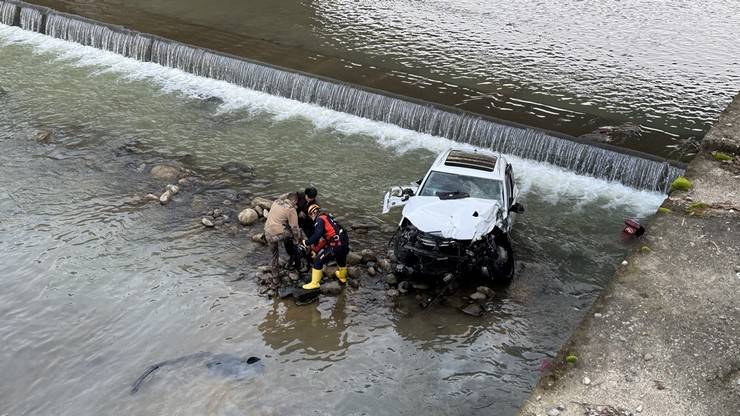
(453, 218)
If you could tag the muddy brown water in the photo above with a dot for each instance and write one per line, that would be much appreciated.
(93, 290)
(572, 67)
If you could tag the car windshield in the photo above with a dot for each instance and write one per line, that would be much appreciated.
(441, 183)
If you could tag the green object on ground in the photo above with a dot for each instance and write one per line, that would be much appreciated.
(645, 249)
(571, 359)
(664, 210)
(681, 184)
(697, 208)
(721, 156)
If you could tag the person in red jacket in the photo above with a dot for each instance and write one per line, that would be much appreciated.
(329, 241)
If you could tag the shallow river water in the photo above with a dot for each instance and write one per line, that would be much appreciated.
(94, 289)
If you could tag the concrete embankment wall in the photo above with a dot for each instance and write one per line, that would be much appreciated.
(664, 337)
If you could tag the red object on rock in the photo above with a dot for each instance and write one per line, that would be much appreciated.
(633, 228)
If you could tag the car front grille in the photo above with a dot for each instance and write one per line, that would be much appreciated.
(431, 242)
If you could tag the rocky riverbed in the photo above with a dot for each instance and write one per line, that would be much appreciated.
(241, 213)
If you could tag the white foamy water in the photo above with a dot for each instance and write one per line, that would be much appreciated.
(550, 183)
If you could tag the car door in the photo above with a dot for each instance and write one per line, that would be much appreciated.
(512, 194)
(398, 196)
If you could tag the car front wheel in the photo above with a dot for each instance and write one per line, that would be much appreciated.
(501, 263)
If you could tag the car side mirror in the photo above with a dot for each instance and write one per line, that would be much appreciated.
(517, 207)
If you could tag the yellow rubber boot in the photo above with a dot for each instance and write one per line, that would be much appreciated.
(315, 280)
(341, 274)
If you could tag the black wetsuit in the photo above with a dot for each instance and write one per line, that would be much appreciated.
(305, 223)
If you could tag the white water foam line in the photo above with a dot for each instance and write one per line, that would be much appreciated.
(549, 182)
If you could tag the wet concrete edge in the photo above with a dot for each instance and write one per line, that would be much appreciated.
(664, 336)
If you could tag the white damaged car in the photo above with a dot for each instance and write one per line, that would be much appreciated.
(458, 217)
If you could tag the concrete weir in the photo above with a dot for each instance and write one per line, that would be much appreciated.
(664, 337)
(599, 160)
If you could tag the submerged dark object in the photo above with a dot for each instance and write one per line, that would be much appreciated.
(300, 296)
(238, 168)
(447, 280)
(472, 309)
(223, 365)
(633, 228)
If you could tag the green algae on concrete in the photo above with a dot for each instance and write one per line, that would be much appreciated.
(697, 208)
(720, 156)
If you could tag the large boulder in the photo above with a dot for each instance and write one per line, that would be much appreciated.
(165, 172)
(173, 189)
(331, 288)
(391, 279)
(353, 258)
(238, 168)
(354, 272)
(369, 256)
(165, 198)
(486, 291)
(248, 217)
(259, 238)
(478, 296)
(263, 203)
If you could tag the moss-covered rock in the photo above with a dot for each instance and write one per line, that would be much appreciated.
(681, 184)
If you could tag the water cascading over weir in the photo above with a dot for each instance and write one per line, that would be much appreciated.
(631, 168)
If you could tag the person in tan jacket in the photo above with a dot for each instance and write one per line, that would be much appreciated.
(282, 225)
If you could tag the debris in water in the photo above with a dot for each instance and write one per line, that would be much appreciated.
(224, 365)
(43, 136)
(632, 228)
